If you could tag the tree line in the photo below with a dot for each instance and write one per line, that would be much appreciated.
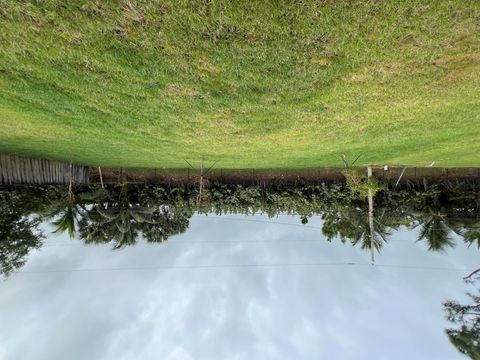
(120, 215)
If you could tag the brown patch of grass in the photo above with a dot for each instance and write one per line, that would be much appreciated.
(93, 8)
(132, 16)
(459, 67)
(375, 72)
(206, 66)
(322, 61)
(182, 91)
(407, 40)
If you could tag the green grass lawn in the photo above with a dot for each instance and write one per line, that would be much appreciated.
(249, 83)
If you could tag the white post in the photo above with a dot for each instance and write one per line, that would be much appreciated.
(101, 177)
(370, 214)
(201, 184)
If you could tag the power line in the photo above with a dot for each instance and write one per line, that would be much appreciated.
(257, 221)
(179, 242)
(223, 266)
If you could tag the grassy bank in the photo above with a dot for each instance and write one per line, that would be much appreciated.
(251, 84)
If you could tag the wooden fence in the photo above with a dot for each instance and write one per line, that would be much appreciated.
(311, 175)
(22, 171)
(16, 170)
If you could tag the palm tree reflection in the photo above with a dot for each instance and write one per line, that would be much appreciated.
(436, 231)
(466, 336)
(66, 208)
(123, 221)
(471, 232)
(113, 216)
(353, 224)
(124, 224)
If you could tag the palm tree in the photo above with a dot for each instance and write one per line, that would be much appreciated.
(466, 338)
(118, 223)
(66, 209)
(471, 233)
(166, 222)
(353, 224)
(436, 229)
(123, 220)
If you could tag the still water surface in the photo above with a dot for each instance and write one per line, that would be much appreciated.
(234, 287)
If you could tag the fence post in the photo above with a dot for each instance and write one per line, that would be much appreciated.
(101, 177)
(370, 213)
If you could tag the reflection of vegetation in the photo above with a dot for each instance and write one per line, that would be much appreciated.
(435, 211)
(466, 337)
(120, 215)
(121, 220)
(18, 231)
(66, 208)
(352, 223)
(472, 232)
(437, 222)
(435, 230)
(360, 184)
(165, 224)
